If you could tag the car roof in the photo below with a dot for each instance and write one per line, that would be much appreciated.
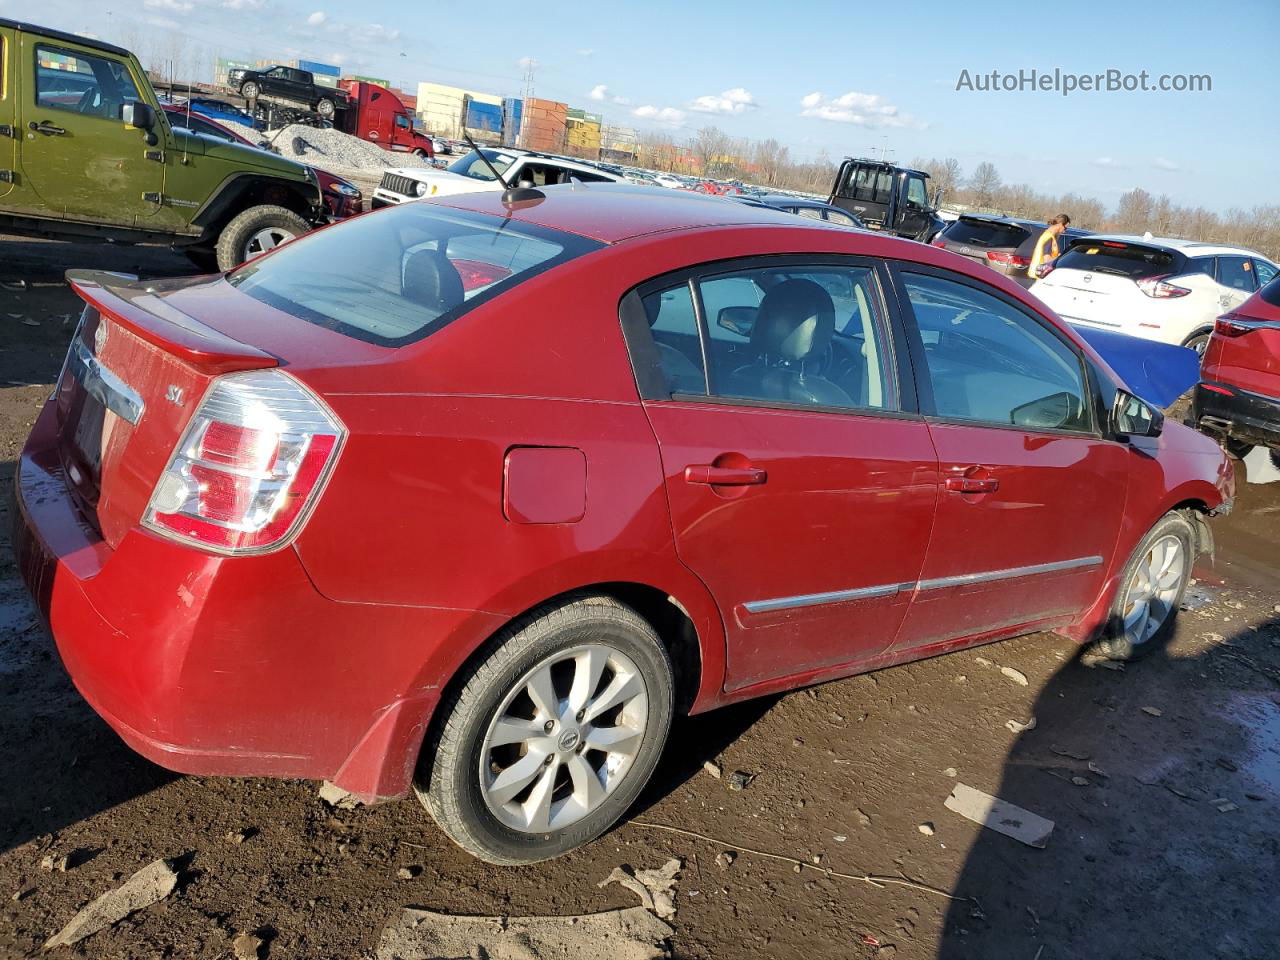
(63, 36)
(613, 212)
(1192, 248)
(886, 164)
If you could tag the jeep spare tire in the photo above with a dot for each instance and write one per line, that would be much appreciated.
(256, 231)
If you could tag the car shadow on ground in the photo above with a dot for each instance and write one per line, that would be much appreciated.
(1163, 781)
(62, 763)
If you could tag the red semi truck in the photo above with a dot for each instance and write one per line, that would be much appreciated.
(376, 114)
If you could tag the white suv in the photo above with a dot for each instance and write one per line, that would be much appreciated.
(1152, 287)
(470, 174)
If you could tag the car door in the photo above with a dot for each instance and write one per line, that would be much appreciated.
(801, 483)
(913, 206)
(1032, 493)
(78, 159)
(8, 115)
(1236, 281)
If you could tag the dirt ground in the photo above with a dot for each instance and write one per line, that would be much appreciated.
(1162, 779)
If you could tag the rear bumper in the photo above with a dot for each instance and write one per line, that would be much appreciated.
(228, 666)
(1240, 415)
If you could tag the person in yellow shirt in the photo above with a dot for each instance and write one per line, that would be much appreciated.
(1047, 249)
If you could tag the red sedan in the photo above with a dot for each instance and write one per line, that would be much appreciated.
(472, 498)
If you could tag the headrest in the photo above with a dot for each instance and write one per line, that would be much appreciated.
(431, 280)
(797, 320)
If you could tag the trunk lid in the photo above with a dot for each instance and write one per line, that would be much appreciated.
(135, 372)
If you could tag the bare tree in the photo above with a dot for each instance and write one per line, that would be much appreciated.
(1133, 212)
(769, 157)
(984, 183)
(709, 146)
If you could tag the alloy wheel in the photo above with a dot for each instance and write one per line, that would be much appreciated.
(268, 238)
(1153, 589)
(563, 738)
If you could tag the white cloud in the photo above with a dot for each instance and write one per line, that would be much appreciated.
(1105, 162)
(862, 109)
(600, 93)
(586, 52)
(668, 115)
(736, 100)
(373, 33)
(243, 4)
(177, 6)
(1162, 164)
(317, 18)
(524, 63)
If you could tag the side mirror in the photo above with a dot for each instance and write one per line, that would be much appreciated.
(1133, 417)
(140, 116)
(739, 320)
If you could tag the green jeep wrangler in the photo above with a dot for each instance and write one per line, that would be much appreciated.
(86, 152)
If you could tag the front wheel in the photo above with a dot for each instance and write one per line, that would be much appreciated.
(420, 153)
(249, 90)
(256, 231)
(550, 738)
(1151, 591)
(325, 108)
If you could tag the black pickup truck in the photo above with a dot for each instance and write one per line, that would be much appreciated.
(288, 83)
(887, 197)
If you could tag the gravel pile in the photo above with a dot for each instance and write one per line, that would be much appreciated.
(337, 152)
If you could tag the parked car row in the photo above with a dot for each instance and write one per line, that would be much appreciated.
(1005, 244)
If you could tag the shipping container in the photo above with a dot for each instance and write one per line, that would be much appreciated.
(223, 66)
(374, 80)
(440, 109)
(321, 69)
(483, 119)
(512, 117)
(323, 80)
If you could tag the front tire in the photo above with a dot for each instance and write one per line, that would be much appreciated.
(326, 109)
(249, 90)
(550, 738)
(1152, 587)
(256, 231)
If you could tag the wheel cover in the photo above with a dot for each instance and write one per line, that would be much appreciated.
(564, 738)
(1153, 589)
(266, 239)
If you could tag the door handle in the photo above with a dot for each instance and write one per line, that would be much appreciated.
(47, 128)
(973, 484)
(724, 476)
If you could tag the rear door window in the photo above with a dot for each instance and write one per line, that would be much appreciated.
(1116, 258)
(399, 276)
(1237, 274)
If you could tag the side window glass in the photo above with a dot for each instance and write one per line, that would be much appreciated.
(1265, 271)
(82, 83)
(916, 193)
(813, 213)
(1201, 265)
(809, 335)
(990, 362)
(674, 326)
(1236, 273)
(837, 216)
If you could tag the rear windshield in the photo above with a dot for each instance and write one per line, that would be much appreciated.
(986, 233)
(1119, 259)
(398, 275)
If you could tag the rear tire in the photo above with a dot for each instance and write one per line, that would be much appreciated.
(256, 231)
(1198, 342)
(518, 771)
(1151, 590)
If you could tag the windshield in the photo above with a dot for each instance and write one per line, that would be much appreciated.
(472, 166)
(399, 275)
(1118, 259)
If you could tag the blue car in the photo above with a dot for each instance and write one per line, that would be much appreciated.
(222, 111)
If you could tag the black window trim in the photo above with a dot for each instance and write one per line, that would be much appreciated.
(646, 366)
(920, 366)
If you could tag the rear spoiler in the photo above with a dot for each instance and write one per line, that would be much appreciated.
(139, 307)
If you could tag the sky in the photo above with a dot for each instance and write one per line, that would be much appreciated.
(846, 78)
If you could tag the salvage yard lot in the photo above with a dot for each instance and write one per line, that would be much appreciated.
(1162, 780)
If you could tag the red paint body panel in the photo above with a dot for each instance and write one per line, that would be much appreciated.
(326, 659)
(1250, 361)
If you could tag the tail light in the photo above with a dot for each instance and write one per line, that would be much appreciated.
(1160, 288)
(250, 465)
(1008, 259)
(1228, 327)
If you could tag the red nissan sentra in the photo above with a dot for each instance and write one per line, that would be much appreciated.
(472, 498)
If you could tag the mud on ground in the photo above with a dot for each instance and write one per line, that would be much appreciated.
(1163, 780)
